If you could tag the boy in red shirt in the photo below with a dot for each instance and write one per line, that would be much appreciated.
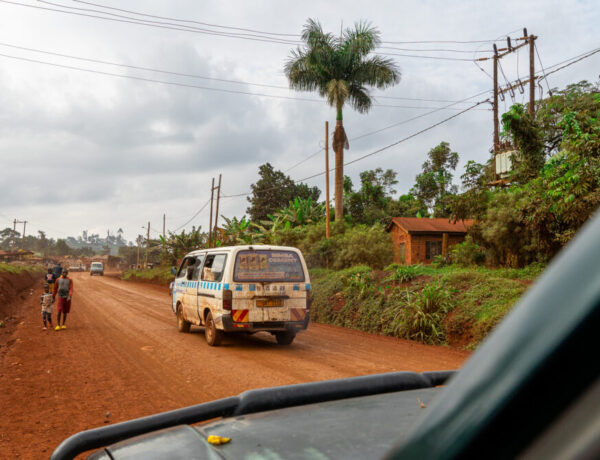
(63, 287)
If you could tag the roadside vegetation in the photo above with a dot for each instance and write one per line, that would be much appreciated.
(17, 268)
(449, 305)
(159, 275)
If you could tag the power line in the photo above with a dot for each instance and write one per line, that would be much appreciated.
(442, 50)
(439, 41)
(442, 58)
(571, 63)
(543, 70)
(147, 24)
(374, 152)
(391, 126)
(193, 217)
(187, 20)
(187, 85)
(152, 80)
(149, 69)
(185, 27)
(188, 75)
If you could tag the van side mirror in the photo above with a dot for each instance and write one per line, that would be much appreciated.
(173, 271)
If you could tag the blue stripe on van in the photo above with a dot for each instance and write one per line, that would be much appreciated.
(253, 287)
(238, 287)
(296, 287)
(307, 286)
(225, 286)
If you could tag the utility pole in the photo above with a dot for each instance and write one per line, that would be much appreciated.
(217, 211)
(327, 217)
(23, 241)
(12, 244)
(147, 245)
(137, 265)
(499, 54)
(164, 231)
(212, 190)
(496, 122)
(531, 40)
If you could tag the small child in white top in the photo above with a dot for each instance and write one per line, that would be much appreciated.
(46, 301)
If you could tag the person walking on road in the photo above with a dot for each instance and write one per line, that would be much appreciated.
(46, 300)
(49, 280)
(63, 287)
(57, 271)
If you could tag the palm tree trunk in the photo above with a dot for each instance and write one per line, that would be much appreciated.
(338, 144)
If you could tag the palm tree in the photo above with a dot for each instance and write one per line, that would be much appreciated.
(339, 69)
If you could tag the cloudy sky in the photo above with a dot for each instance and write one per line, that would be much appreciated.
(96, 151)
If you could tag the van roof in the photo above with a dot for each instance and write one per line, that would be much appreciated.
(245, 247)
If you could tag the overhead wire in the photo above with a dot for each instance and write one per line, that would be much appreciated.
(147, 24)
(372, 153)
(390, 126)
(187, 20)
(185, 27)
(187, 85)
(193, 217)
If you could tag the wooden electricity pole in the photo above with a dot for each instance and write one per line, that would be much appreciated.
(527, 40)
(164, 230)
(212, 190)
(496, 122)
(217, 211)
(137, 265)
(12, 244)
(23, 240)
(147, 245)
(531, 40)
(327, 216)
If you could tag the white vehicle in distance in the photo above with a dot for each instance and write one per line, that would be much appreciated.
(243, 289)
(97, 269)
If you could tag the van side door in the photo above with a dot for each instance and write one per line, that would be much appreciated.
(190, 300)
(210, 293)
(179, 285)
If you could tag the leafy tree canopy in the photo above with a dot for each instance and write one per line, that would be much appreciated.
(434, 185)
(274, 191)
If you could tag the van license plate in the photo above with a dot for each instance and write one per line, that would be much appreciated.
(267, 303)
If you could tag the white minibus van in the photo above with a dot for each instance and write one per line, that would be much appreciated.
(243, 289)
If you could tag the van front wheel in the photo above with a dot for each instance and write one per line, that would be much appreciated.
(285, 338)
(213, 335)
(182, 324)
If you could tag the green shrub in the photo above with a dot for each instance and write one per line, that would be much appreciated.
(468, 253)
(402, 273)
(420, 316)
(362, 245)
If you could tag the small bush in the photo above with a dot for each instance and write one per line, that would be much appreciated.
(402, 273)
(468, 253)
(421, 315)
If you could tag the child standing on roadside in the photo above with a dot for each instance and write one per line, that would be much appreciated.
(46, 301)
(49, 279)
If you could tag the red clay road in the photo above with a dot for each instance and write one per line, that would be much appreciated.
(121, 357)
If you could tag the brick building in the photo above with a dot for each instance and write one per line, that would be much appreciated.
(418, 240)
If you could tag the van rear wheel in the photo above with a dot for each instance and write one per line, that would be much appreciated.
(213, 335)
(285, 337)
(182, 324)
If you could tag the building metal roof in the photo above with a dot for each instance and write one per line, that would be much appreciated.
(426, 225)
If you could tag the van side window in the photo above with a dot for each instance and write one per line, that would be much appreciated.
(214, 266)
(187, 262)
(197, 267)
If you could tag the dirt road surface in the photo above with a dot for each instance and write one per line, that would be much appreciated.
(121, 357)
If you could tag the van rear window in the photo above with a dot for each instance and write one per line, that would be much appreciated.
(270, 266)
